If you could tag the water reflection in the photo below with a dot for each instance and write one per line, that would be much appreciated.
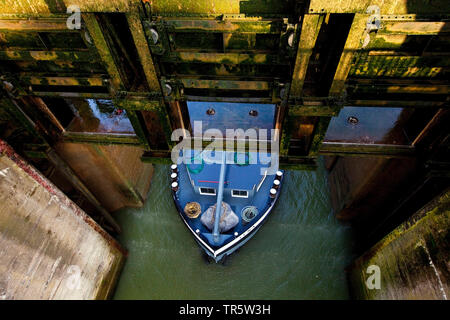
(98, 115)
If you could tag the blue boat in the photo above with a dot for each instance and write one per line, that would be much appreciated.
(224, 201)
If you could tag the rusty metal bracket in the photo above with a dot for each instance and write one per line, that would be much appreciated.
(157, 38)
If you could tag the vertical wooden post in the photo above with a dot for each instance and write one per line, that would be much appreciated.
(165, 122)
(320, 129)
(97, 36)
(140, 41)
(353, 43)
(309, 32)
(137, 126)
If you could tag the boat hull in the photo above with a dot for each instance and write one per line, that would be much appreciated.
(218, 253)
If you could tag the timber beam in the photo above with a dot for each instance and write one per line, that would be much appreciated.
(16, 55)
(397, 7)
(226, 24)
(308, 35)
(353, 43)
(140, 41)
(105, 53)
(367, 150)
(309, 32)
(223, 58)
(99, 138)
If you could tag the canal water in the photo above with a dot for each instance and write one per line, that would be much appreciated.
(299, 253)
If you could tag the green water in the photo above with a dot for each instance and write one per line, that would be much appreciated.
(299, 253)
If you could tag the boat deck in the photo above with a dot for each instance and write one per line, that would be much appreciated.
(260, 199)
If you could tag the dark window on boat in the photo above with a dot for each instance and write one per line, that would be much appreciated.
(239, 193)
(208, 191)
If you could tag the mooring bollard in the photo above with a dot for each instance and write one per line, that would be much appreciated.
(273, 193)
(276, 184)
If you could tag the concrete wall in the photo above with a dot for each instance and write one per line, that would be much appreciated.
(49, 248)
(413, 260)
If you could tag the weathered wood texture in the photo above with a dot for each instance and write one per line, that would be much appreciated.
(386, 7)
(114, 174)
(49, 248)
(310, 29)
(60, 6)
(413, 259)
(373, 52)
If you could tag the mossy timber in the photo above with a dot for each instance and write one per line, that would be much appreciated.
(313, 60)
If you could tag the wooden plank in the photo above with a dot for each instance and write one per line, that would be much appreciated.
(247, 25)
(411, 28)
(62, 81)
(226, 84)
(134, 104)
(357, 149)
(15, 55)
(140, 41)
(438, 119)
(399, 66)
(101, 138)
(310, 30)
(286, 132)
(223, 58)
(174, 7)
(156, 158)
(425, 89)
(59, 7)
(137, 126)
(353, 43)
(40, 104)
(308, 110)
(395, 103)
(99, 40)
(405, 88)
(35, 25)
(93, 95)
(227, 99)
(394, 7)
(320, 129)
(166, 124)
